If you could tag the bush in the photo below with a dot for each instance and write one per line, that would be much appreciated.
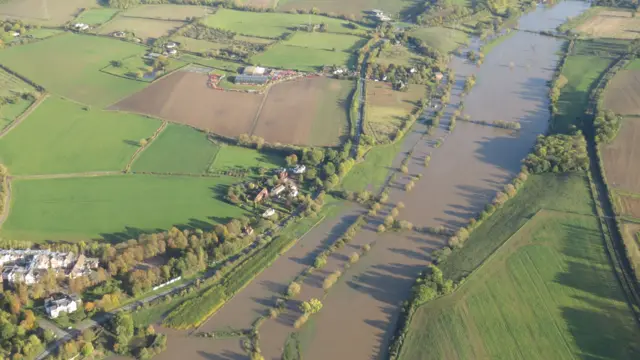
(381, 228)
(354, 258)
(293, 289)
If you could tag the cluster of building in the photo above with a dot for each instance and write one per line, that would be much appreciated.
(286, 186)
(81, 26)
(379, 14)
(29, 266)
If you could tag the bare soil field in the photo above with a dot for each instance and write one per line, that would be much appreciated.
(310, 111)
(44, 12)
(621, 157)
(623, 93)
(145, 29)
(168, 11)
(630, 205)
(183, 97)
(611, 24)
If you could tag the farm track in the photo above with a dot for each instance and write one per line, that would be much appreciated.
(254, 125)
(139, 151)
(24, 115)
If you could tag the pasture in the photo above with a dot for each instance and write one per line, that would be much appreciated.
(138, 68)
(622, 95)
(311, 111)
(62, 137)
(621, 157)
(168, 11)
(96, 16)
(44, 12)
(184, 97)
(607, 23)
(387, 109)
(304, 59)
(629, 204)
(398, 55)
(11, 103)
(145, 29)
(178, 149)
(442, 39)
(114, 207)
(211, 62)
(237, 157)
(326, 41)
(273, 25)
(77, 60)
(396, 8)
(197, 45)
(540, 295)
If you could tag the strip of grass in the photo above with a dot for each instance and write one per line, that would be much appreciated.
(62, 137)
(491, 44)
(371, 173)
(540, 296)
(178, 149)
(326, 41)
(96, 16)
(236, 157)
(69, 65)
(115, 207)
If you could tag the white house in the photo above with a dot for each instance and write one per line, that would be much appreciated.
(81, 26)
(171, 45)
(269, 213)
(15, 34)
(299, 169)
(293, 191)
(61, 303)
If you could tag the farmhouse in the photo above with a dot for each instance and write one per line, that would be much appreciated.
(269, 213)
(81, 26)
(61, 303)
(119, 34)
(251, 79)
(171, 45)
(261, 195)
(299, 169)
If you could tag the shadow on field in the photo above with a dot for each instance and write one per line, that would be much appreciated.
(225, 355)
(127, 234)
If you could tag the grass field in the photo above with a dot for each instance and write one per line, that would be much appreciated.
(443, 39)
(96, 16)
(114, 207)
(540, 296)
(398, 55)
(145, 29)
(236, 157)
(300, 58)
(608, 23)
(178, 149)
(44, 12)
(388, 109)
(136, 65)
(43, 33)
(168, 11)
(61, 137)
(371, 173)
(77, 60)
(211, 62)
(197, 45)
(622, 94)
(357, 8)
(326, 41)
(9, 86)
(271, 25)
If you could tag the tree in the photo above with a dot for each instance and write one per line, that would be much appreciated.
(311, 307)
(293, 289)
(143, 142)
(123, 327)
(291, 160)
(87, 349)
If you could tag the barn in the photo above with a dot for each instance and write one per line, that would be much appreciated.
(251, 79)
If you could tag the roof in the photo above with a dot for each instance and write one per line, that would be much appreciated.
(254, 70)
(251, 79)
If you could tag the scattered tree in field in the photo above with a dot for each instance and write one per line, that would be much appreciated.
(143, 142)
(293, 289)
(311, 307)
(354, 258)
(381, 228)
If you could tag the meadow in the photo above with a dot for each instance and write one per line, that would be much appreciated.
(197, 45)
(96, 16)
(608, 23)
(178, 149)
(442, 39)
(44, 12)
(168, 11)
(387, 109)
(272, 25)
(540, 295)
(145, 29)
(398, 55)
(396, 8)
(622, 94)
(299, 58)
(62, 137)
(371, 173)
(134, 66)
(114, 207)
(10, 86)
(236, 157)
(77, 60)
(326, 41)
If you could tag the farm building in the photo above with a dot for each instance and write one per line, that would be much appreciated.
(254, 70)
(251, 79)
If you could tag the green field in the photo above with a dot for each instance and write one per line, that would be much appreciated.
(371, 173)
(69, 65)
(548, 293)
(398, 55)
(197, 45)
(272, 25)
(443, 39)
(395, 8)
(61, 137)
(43, 33)
(178, 149)
(326, 41)
(211, 62)
(94, 207)
(96, 16)
(236, 157)
(133, 66)
(9, 87)
(299, 58)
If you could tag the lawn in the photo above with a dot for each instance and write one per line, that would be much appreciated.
(300, 58)
(197, 45)
(211, 62)
(178, 149)
(272, 25)
(96, 16)
(371, 173)
(326, 41)
(442, 39)
(69, 65)
(236, 157)
(61, 137)
(540, 296)
(138, 68)
(114, 207)
(331, 124)
(168, 11)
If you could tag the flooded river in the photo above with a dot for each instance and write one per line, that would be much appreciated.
(473, 162)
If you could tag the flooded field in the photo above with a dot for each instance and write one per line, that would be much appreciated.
(473, 162)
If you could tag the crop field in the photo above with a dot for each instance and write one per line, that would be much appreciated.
(61, 137)
(138, 68)
(304, 59)
(197, 45)
(442, 39)
(621, 157)
(387, 109)
(311, 111)
(44, 12)
(168, 11)
(398, 55)
(622, 95)
(357, 8)
(184, 97)
(178, 149)
(272, 25)
(97, 16)
(610, 24)
(326, 41)
(77, 60)
(540, 296)
(145, 29)
(114, 207)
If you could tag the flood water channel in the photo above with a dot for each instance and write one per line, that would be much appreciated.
(474, 161)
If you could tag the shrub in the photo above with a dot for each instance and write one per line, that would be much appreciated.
(301, 320)
(366, 247)
(404, 169)
(388, 221)
(409, 186)
(311, 307)
(354, 258)
(400, 205)
(293, 289)
(395, 212)
(381, 228)
(320, 262)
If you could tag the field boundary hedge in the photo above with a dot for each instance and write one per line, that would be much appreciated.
(142, 148)
(24, 115)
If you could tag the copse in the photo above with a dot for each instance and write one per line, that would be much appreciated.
(558, 153)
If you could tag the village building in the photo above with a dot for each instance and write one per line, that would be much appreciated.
(299, 169)
(171, 45)
(254, 70)
(277, 190)
(61, 303)
(269, 213)
(251, 79)
(80, 26)
(119, 34)
(261, 195)
(28, 266)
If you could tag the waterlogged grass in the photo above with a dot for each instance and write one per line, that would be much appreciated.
(540, 296)
(178, 149)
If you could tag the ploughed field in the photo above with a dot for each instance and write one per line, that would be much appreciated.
(309, 111)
